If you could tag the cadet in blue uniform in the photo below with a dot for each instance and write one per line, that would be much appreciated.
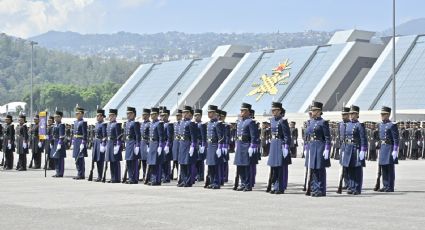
(215, 144)
(226, 144)
(202, 139)
(388, 154)
(36, 143)
(343, 174)
(22, 143)
(80, 143)
(168, 139)
(246, 146)
(58, 150)
(156, 147)
(113, 151)
(99, 143)
(317, 158)
(354, 151)
(8, 142)
(188, 132)
(132, 146)
(256, 157)
(279, 156)
(175, 144)
(144, 142)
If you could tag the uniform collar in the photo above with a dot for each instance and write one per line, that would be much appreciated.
(214, 120)
(276, 118)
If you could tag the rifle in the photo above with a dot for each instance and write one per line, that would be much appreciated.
(104, 173)
(341, 179)
(307, 186)
(207, 180)
(124, 179)
(148, 174)
(2, 160)
(45, 163)
(378, 179)
(32, 160)
(91, 170)
(236, 185)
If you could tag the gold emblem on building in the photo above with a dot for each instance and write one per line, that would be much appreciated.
(269, 84)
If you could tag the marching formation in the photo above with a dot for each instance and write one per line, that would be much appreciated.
(157, 151)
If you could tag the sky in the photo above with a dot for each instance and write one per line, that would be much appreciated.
(27, 18)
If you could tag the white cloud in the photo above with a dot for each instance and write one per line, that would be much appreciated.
(133, 3)
(24, 18)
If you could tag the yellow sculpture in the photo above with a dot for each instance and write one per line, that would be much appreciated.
(279, 76)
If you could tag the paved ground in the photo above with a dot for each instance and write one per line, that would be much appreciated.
(30, 201)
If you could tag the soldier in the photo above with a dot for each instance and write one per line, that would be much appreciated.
(168, 139)
(48, 145)
(199, 169)
(22, 143)
(423, 140)
(409, 143)
(215, 144)
(113, 153)
(132, 146)
(99, 144)
(256, 155)
(175, 148)
(156, 147)
(294, 139)
(404, 141)
(388, 156)
(246, 146)
(1, 144)
(80, 143)
(36, 144)
(415, 141)
(58, 150)
(279, 157)
(317, 158)
(340, 133)
(227, 138)
(68, 136)
(373, 140)
(187, 147)
(144, 143)
(9, 142)
(355, 148)
(265, 138)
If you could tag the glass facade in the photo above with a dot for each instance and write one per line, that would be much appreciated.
(383, 73)
(410, 82)
(159, 80)
(269, 61)
(184, 83)
(315, 70)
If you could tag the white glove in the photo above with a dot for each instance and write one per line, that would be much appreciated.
(81, 147)
(159, 150)
(147, 148)
(361, 155)
(218, 153)
(285, 152)
(59, 147)
(9, 146)
(406, 143)
(136, 151)
(236, 149)
(102, 148)
(267, 141)
(191, 150)
(116, 149)
(201, 149)
(326, 154)
(225, 150)
(250, 151)
(166, 149)
(24, 145)
(395, 154)
(419, 143)
(51, 146)
(39, 144)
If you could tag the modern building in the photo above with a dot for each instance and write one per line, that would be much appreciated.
(354, 67)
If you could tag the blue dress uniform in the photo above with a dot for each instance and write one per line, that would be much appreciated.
(100, 137)
(132, 134)
(318, 134)
(256, 156)
(214, 155)
(188, 142)
(175, 146)
(168, 156)
(389, 140)
(199, 168)
(113, 153)
(279, 156)
(226, 147)
(156, 143)
(58, 153)
(247, 134)
(341, 129)
(353, 157)
(144, 142)
(22, 145)
(80, 138)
